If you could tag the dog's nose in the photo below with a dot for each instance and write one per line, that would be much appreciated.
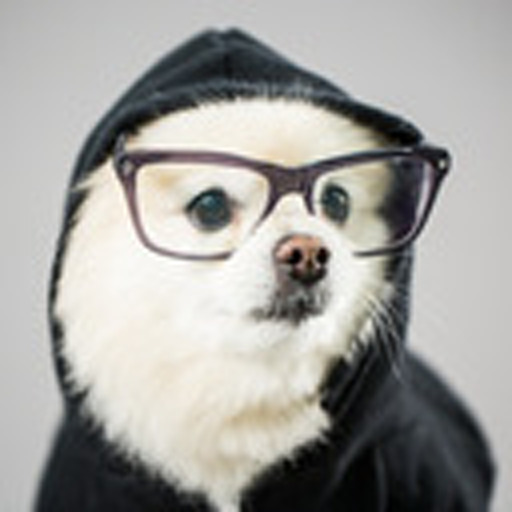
(304, 258)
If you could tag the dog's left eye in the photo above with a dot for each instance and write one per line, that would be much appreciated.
(335, 203)
(212, 210)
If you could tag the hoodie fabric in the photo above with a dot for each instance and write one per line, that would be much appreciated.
(398, 443)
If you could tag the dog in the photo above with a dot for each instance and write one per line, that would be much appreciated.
(230, 300)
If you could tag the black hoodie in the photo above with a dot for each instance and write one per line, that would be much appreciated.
(396, 444)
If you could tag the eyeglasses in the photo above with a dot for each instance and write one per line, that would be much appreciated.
(203, 205)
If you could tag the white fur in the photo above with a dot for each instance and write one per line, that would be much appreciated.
(178, 372)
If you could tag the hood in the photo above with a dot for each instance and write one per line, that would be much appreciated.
(217, 66)
(224, 66)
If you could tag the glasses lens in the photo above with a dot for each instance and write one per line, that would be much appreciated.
(378, 204)
(198, 209)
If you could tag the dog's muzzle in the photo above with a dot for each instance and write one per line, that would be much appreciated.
(301, 264)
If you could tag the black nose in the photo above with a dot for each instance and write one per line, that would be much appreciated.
(304, 258)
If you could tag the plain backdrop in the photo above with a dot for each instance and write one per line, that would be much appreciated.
(445, 64)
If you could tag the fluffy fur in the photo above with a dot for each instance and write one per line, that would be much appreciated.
(178, 369)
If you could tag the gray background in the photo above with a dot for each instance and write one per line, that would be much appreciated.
(446, 64)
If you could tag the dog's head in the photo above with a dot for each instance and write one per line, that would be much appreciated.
(291, 282)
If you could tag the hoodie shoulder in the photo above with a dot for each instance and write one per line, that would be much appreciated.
(439, 460)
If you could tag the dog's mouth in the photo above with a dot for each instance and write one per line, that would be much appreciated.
(294, 305)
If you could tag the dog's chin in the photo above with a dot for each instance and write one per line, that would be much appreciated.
(294, 306)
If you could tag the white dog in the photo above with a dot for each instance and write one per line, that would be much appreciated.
(230, 296)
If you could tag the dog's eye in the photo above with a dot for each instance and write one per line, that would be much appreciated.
(335, 203)
(211, 210)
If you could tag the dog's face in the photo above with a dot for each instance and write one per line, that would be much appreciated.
(208, 371)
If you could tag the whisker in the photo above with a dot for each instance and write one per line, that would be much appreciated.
(386, 321)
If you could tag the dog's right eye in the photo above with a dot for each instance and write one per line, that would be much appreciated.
(212, 210)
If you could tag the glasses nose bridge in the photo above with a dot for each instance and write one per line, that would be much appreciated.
(294, 180)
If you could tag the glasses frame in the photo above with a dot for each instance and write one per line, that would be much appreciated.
(282, 180)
